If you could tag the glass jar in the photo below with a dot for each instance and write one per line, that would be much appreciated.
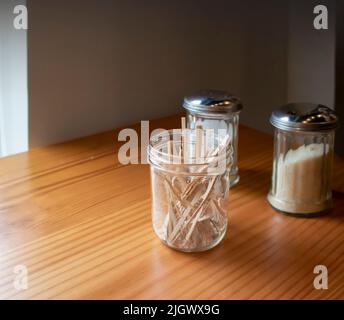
(214, 109)
(189, 192)
(303, 156)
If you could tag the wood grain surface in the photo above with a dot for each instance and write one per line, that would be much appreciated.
(80, 222)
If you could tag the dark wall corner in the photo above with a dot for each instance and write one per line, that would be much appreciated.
(339, 93)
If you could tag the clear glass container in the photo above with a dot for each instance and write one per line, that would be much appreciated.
(189, 192)
(303, 156)
(219, 110)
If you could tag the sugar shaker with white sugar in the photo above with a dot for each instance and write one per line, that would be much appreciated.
(218, 110)
(303, 156)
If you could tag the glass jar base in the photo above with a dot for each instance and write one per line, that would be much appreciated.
(304, 211)
(200, 249)
(233, 180)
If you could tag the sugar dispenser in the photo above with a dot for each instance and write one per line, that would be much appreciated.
(214, 109)
(303, 152)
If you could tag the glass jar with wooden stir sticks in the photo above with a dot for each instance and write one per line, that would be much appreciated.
(190, 187)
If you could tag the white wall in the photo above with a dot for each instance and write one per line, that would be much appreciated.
(265, 67)
(13, 82)
(95, 65)
(311, 55)
(287, 60)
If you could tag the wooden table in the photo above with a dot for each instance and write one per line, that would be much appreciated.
(80, 223)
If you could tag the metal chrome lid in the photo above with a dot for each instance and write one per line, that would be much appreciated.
(304, 117)
(212, 101)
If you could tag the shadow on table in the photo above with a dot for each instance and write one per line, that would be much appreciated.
(255, 181)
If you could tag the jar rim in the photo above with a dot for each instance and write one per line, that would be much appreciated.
(210, 162)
